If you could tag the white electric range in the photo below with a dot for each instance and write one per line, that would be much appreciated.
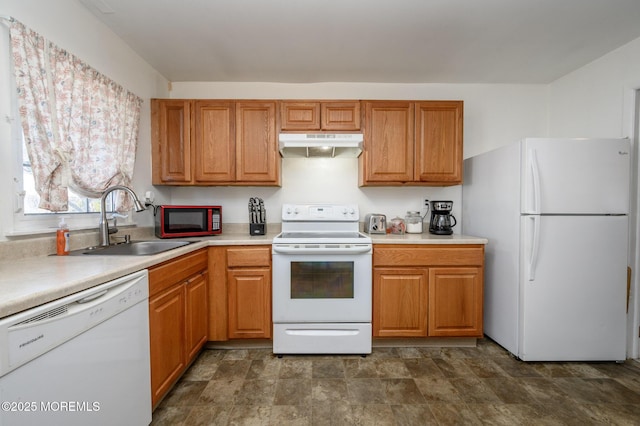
(322, 284)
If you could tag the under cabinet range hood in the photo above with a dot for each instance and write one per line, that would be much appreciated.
(326, 145)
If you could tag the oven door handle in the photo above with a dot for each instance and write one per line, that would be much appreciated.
(355, 249)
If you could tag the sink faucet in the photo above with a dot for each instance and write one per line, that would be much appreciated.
(103, 226)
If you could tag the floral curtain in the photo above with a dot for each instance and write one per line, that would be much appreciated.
(81, 128)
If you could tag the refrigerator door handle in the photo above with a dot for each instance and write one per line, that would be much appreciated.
(535, 180)
(535, 242)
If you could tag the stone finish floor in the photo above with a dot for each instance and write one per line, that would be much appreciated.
(400, 386)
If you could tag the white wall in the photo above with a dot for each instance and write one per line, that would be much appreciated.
(494, 115)
(600, 100)
(594, 101)
(69, 25)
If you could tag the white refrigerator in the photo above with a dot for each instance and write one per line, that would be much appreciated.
(555, 212)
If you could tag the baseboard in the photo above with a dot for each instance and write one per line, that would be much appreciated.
(387, 342)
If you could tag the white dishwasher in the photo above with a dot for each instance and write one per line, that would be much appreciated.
(79, 360)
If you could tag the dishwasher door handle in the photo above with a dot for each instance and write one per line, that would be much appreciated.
(93, 297)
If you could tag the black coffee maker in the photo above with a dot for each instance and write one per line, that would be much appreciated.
(442, 221)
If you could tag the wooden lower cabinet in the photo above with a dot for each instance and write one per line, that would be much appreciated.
(197, 296)
(401, 308)
(428, 290)
(178, 323)
(167, 340)
(240, 298)
(249, 303)
(455, 302)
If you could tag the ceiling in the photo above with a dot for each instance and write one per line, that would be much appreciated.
(392, 41)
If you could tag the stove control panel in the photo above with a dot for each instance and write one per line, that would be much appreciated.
(320, 212)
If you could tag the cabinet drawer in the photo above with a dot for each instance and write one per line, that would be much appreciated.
(245, 256)
(432, 255)
(176, 270)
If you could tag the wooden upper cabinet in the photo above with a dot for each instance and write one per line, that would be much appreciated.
(439, 142)
(340, 115)
(214, 142)
(320, 115)
(257, 158)
(300, 115)
(171, 136)
(412, 143)
(214, 155)
(388, 154)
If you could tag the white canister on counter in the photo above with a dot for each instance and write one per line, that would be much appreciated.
(413, 222)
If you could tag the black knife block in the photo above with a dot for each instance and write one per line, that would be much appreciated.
(257, 228)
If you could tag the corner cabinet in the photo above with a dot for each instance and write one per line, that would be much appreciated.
(428, 290)
(178, 326)
(412, 143)
(240, 305)
(214, 142)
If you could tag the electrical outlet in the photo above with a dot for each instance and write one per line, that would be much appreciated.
(425, 203)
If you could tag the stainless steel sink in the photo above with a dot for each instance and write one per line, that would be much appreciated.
(135, 248)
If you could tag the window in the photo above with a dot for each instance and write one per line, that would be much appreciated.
(86, 132)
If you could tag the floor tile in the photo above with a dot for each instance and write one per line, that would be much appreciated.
(365, 391)
(327, 368)
(293, 392)
(328, 390)
(290, 415)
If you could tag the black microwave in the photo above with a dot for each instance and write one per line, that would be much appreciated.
(188, 221)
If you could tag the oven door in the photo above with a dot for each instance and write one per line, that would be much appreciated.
(321, 283)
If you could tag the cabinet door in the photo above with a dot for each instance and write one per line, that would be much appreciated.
(249, 303)
(439, 142)
(388, 155)
(257, 158)
(300, 115)
(400, 302)
(340, 115)
(171, 141)
(167, 339)
(455, 302)
(197, 315)
(214, 142)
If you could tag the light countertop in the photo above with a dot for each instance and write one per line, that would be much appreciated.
(32, 281)
(426, 238)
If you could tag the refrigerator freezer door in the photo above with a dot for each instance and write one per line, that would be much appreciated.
(573, 288)
(575, 176)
